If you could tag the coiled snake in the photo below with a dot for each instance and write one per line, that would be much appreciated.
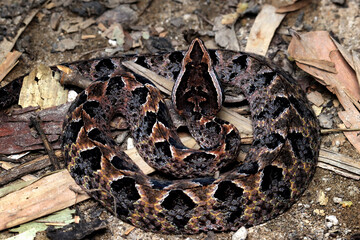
(276, 170)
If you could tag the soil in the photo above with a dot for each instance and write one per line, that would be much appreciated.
(178, 21)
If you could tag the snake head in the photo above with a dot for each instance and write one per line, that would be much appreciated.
(197, 90)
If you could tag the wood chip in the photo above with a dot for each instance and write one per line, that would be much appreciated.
(55, 20)
(41, 88)
(41, 198)
(261, 33)
(84, 37)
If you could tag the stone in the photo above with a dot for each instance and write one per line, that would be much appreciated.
(330, 221)
(240, 234)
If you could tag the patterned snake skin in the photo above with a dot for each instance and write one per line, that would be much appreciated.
(276, 171)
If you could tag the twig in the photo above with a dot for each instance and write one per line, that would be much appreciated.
(50, 151)
(6, 159)
(334, 130)
(26, 168)
(203, 18)
(70, 77)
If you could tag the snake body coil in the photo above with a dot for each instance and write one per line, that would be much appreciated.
(276, 171)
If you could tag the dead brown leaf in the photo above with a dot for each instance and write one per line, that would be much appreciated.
(320, 64)
(11, 59)
(265, 25)
(319, 45)
(293, 7)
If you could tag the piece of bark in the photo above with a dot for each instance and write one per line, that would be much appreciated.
(342, 164)
(76, 231)
(47, 195)
(25, 168)
(35, 122)
(263, 29)
(16, 136)
(11, 59)
(42, 88)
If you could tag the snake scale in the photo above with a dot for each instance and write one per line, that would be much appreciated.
(276, 171)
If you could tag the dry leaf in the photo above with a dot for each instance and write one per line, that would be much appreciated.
(229, 18)
(11, 59)
(265, 25)
(319, 45)
(318, 63)
(293, 7)
(322, 199)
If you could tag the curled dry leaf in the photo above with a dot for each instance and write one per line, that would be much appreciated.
(293, 7)
(232, 17)
(11, 59)
(320, 47)
(265, 25)
(321, 64)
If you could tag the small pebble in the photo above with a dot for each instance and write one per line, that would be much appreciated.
(130, 143)
(306, 206)
(339, 2)
(320, 212)
(322, 199)
(353, 190)
(177, 22)
(325, 121)
(337, 200)
(240, 234)
(71, 95)
(330, 221)
(316, 98)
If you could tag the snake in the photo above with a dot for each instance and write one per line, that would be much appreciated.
(196, 190)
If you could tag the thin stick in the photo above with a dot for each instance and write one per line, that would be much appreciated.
(334, 130)
(50, 151)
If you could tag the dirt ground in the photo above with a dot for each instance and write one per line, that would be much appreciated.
(185, 18)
